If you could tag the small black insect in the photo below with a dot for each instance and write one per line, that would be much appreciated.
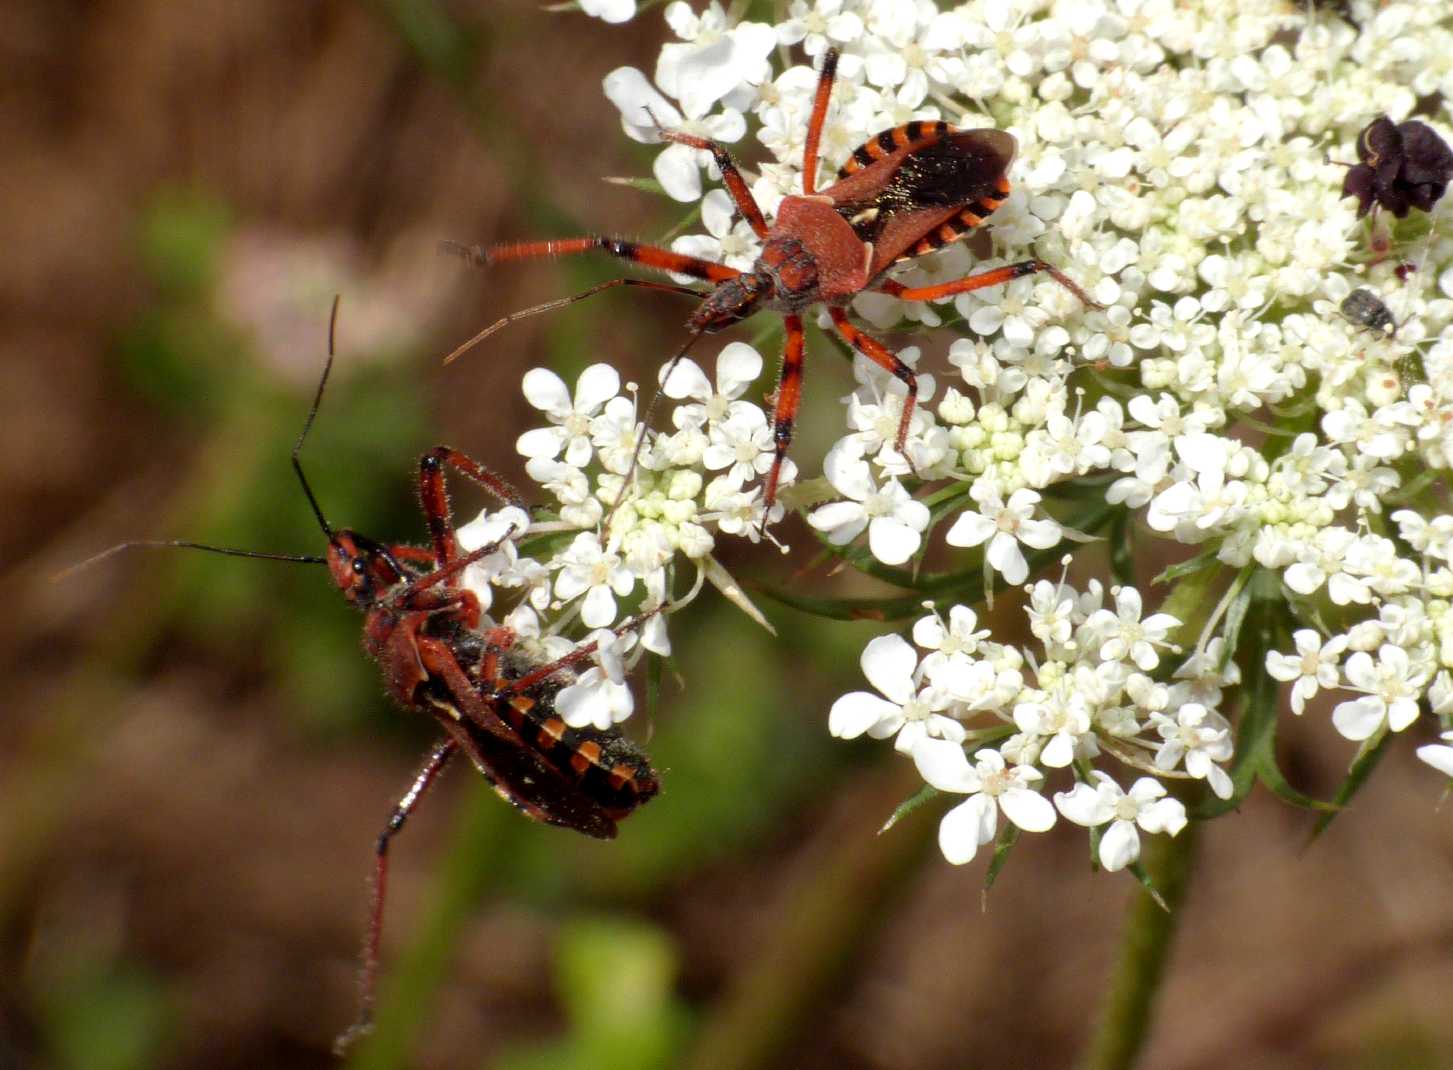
(1403, 166)
(1366, 309)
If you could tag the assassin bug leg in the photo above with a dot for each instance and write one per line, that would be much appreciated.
(986, 279)
(784, 410)
(435, 497)
(731, 177)
(882, 356)
(815, 124)
(368, 982)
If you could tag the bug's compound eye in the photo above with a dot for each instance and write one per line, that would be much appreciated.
(359, 568)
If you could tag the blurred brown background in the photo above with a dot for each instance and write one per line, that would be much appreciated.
(195, 757)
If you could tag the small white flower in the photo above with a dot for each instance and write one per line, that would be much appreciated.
(990, 785)
(741, 444)
(894, 520)
(1392, 685)
(737, 367)
(1144, 805)
(589, 570)
(1125, 635)
(547, 392)
(1199, 738)
(1313, 667)
(908, 711)
(594, 700)
(1004, 525)
(501, 527)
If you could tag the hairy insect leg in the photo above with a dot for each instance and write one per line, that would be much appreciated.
(434, 495)
(985, 279)
(886, 359)
(561, 302)
(730, 176)
(651, 256)
(784, 410)
(819, 118)
(368, 983)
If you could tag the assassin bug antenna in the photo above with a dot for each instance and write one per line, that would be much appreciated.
(229, 551)
(902, 194)
(312, 414)
(479, 256)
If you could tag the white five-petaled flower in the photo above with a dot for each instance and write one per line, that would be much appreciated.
(598, 574)
(1124, 635)
(1145, 805)
(1199, 738)
(1004, 525)
(991, 785)
(547, 392)
(1313, 666)
(599, 696)
(908, 711)
(1439, 755)
(1392, 685)
(738, 366)
(894, 520)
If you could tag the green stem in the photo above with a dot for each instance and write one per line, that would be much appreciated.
(1145, 945)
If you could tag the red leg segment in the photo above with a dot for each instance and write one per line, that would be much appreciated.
(885, 359)
(985, 279)
(784, 411)
(815, 124)
(651, 256)
(368, 984)
(730, 176)
(434, 496)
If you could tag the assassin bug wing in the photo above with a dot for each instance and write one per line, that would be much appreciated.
(522, 778)
(926, 192)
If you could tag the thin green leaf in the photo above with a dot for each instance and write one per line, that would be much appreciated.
(1262, 623)
(1236, 611)
(1007, 839)
(910, 804)
(1138, 871)
(1362, 767)
(644, 185)
(1203, 560)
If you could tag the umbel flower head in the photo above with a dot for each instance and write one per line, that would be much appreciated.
(1217, 414)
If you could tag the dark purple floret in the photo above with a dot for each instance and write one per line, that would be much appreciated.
(1404, 166)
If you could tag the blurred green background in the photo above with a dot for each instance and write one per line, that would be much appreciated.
(195, 755)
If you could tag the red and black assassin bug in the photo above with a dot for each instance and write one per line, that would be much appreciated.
(494, 700)
(903, 193)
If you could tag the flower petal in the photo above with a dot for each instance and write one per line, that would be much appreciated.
(888, 663)
(944, 765)
(963, 829)
(1030, 810)
(856, 712)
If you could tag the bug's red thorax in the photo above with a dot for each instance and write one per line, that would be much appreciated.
(840, 266)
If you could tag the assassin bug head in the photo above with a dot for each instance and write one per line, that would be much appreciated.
(361, 568)
(731, 302)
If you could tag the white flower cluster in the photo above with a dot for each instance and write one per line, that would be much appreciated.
(984, 719)
(629, 504)
(1179, 160)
